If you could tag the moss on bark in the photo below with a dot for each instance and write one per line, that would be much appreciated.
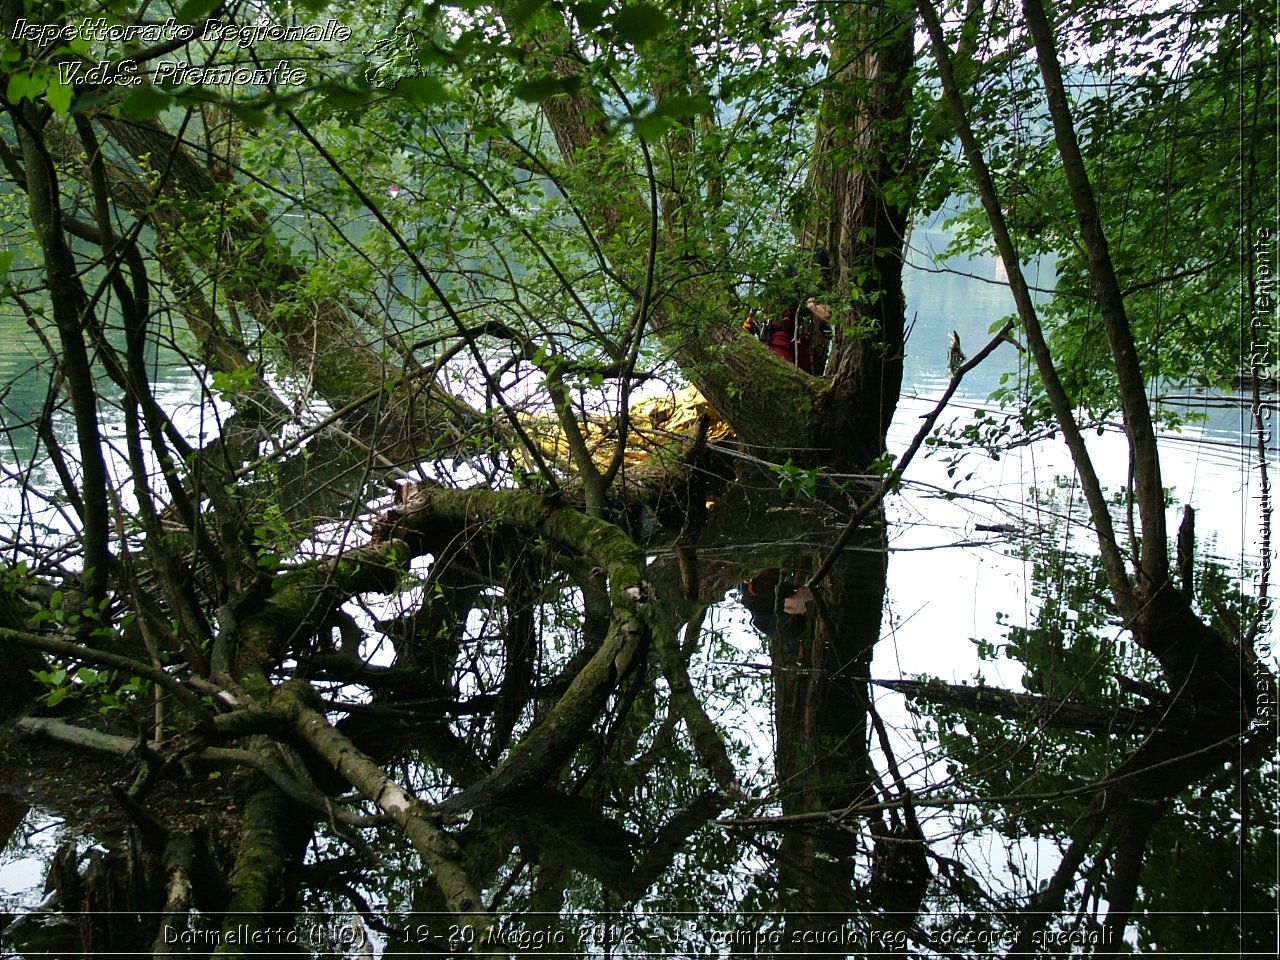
(255, 879)
(18, 688)
(607, 546)
(304, 598)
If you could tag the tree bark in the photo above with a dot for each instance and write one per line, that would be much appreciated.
(71, 315)
(861, 185)
(256, 878)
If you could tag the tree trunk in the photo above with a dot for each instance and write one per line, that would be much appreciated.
(860, 186)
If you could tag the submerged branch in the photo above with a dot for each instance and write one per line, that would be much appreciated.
(439, 851)
(1050, 711)
(85, 739)
(430, 513)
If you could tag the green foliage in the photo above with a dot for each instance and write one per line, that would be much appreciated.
(231, 384)
(274, 538)
(1170, 109)
(638, 23)
(1203, 836)
(104, 690)
(193, 11)
(795, 481)
(75, 617)
(882, 466)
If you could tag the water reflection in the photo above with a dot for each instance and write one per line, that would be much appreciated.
(820, 798)
(778, 601)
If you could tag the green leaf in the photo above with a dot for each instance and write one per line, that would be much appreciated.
(422, 91)
(343, 96)
(24, 85)
(145, 102)
(194, 10)
(682, 105)
(233, 382)
(651, 126)
(537, 89)
(59, 96)
(6, 260)
(522, 13)
(589, 15)
(662, 117)
(252, 116)
(640, 22)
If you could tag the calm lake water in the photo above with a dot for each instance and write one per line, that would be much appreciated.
(1207, 465)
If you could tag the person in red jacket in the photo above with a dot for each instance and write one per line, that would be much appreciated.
(790, 322)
